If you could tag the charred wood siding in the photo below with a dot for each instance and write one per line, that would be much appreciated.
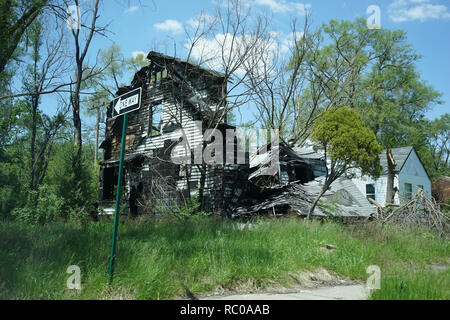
(184, 96)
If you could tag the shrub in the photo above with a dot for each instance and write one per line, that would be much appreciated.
(190, 209)
(47, 208)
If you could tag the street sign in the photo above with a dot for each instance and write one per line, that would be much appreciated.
(123, 105)
(127, 102)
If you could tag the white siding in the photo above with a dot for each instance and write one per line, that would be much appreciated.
(414, 173)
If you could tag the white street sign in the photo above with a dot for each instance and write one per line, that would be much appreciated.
(127, 102)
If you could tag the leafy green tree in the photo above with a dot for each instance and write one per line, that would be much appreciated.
(348, 144)
(15, 17)
(434, 149)
(371, 71)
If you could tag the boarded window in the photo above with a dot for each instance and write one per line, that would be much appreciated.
(370, 191)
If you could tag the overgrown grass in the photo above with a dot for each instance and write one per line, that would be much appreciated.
(158, 259)
(430, 285)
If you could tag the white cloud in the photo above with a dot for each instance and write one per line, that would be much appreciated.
(208, 51)
(131, 9)
(170, 25)
(201, 20)
(137, 53)
(287, 42)
(274, 5)
(282, 6)
(411, 10)
(302, 8)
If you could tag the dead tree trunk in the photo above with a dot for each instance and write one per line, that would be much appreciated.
(390, 192)
(97, 129)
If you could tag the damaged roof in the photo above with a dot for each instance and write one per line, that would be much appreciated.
(162, 60)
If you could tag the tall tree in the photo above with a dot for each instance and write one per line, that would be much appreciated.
(373, 72)
(15, 17)
(47, 65)
(82, 39)
(435, 151)
(348, 144)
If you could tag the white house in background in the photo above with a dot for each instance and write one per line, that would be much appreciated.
(409, 178)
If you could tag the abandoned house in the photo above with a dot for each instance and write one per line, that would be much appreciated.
(177, 94)
(180, 102)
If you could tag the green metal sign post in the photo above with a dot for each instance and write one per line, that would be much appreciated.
(118, 197)
(126, 103)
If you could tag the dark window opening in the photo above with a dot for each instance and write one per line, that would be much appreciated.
(304, 174)
(370, 191)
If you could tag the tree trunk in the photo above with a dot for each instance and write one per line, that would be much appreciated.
(77, 122)
(33, 145)
(316, 201)
(97, 129)
(201, 191)
(390, 192)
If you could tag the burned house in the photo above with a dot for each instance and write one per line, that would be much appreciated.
(181, 102)
(294, 186)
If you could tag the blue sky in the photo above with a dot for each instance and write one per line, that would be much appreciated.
(157, 24)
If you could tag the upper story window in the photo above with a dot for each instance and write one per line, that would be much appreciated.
(370, 191)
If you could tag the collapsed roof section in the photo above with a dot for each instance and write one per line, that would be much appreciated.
(203, 88)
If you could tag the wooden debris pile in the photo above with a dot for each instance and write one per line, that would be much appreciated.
(276, 201)
(419, 211)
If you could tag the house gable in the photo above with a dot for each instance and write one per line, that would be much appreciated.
(412, 176)
(413, 166)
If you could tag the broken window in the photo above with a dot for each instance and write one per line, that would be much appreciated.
(370, 191)
(156, 112)
(408, 191)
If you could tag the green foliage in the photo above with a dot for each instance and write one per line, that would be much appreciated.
(375, 73)
(48, 207)
(348, 143)
(190, 209)
(415, 286)
(15, 17)
(157, 259)
(433, 145)
(79, 194)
